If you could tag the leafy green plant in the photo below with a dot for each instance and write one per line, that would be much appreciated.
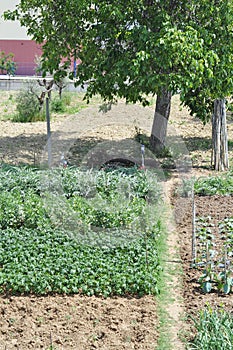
(216, 261)
(27, 107)
(57, 105)
(49, 261)
(207, 186)
(41, 255)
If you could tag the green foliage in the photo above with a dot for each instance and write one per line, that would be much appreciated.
(214, 330)
(28, 107)
(133, 49)
(38, 255)
(61, 104)
(7, 64)
(21, 209)
(207, 186)
(216, 258)
(49, 261)
(57, 105)
(211, 18)
(19, 179)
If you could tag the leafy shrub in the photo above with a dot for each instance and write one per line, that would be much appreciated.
(57, 105)
(27, 107)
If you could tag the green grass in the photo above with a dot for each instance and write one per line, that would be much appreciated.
(78, 103)
(164, 298)
(213, 330)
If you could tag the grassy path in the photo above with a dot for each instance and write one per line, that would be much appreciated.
(171, 308)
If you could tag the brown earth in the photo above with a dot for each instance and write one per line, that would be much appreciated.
(77, 322)
(114, 323)
(217, 208)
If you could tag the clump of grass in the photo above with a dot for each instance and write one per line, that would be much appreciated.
(7, 104)
(213, 330)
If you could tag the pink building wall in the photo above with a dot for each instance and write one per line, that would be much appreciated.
(25, 52)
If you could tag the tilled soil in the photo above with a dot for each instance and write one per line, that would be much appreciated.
(77, 322)
(218, 208)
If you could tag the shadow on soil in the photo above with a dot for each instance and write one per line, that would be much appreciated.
(29, 150)
(91, 151)
(198, 143)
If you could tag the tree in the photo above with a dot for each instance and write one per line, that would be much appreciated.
(219, 136)
(7, 64)
(215, 20)
(128, 49)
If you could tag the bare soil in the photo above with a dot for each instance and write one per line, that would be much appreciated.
(218, 208)
(75, 322)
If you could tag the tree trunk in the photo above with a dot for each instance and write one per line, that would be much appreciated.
(159, 128)
(219, 157)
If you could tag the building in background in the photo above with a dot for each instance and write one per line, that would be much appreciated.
(14, 39)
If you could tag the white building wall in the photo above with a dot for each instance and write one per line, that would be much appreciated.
(10, 29)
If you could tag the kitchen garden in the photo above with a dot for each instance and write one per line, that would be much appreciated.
(109, 245)
(91, 244)
(207, 262)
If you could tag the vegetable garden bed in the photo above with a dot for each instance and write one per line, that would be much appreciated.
(65, 231)
(208, 280)
(84, 234)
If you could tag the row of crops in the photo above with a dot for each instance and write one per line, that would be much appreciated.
(68, 231)
(213, 239)
(213, 262)
(214, 253)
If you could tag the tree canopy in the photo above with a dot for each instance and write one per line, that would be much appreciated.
(214, 21)
(133, 48)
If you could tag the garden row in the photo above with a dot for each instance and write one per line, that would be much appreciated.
(214, 253)
(213, 239)
(212, 262)
(68, 231)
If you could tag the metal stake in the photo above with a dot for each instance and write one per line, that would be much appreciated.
(48, 133)
(143, 156)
